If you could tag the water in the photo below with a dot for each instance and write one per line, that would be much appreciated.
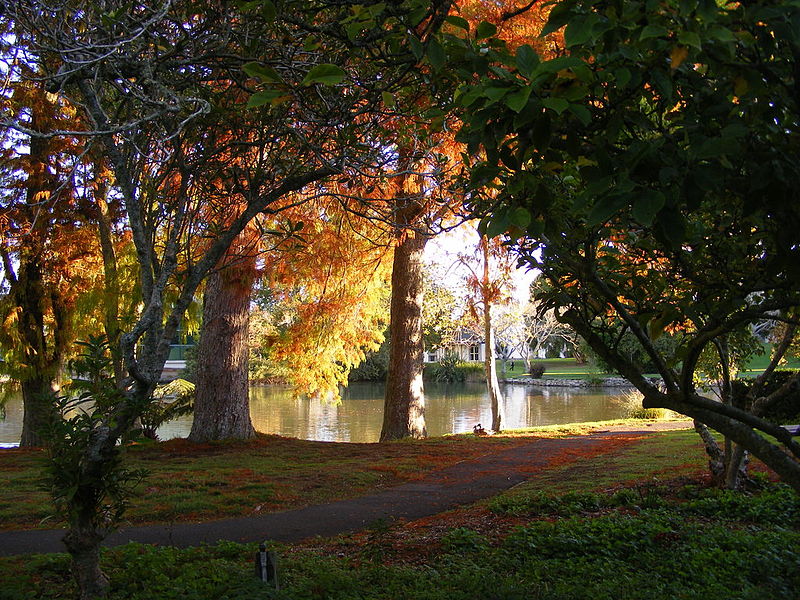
(449, 408)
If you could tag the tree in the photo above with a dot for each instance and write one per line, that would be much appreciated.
(151, 80)
(440, 321)
(653, 168)
(50, 260)
(489, 285)
(222, 397)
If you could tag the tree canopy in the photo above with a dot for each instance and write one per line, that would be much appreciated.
(649, 171)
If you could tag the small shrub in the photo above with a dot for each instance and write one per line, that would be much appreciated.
(374, 367)
(537, 370)
(447, 369)
(631, 402)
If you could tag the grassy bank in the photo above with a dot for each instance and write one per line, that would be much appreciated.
(640, 525)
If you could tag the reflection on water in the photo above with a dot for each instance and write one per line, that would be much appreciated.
(449, 408)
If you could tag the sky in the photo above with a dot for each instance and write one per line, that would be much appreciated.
(443, 251)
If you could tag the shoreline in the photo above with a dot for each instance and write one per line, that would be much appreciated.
(605, 382)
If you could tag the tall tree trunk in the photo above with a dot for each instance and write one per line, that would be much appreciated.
(111, 294)
(490, 370)
(222, 401)
(43, 360)
(404, 402)
(489, 363)
(37, 403)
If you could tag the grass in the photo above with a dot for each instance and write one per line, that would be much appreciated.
(760, 362)
(563, 368)
(196, 482)
(568, 368)
(638, 524)
(659, 456)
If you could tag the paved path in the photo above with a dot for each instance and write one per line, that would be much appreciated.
(441, 490)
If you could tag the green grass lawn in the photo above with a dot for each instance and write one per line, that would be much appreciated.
(564, 368)
(634, 524)
(568, 368)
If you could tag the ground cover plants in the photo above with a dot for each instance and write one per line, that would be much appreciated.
(650, 529)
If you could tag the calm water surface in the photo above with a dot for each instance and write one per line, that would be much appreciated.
(449, 408)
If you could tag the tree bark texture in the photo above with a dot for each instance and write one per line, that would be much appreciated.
(83, 544)
(404, 402)
(489, 366)
(490, 369)
(43, 353)
(37, 405)
(222, 401)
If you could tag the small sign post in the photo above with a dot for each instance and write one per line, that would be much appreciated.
(267, 566)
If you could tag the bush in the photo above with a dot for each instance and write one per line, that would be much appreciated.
(374, 367)
(537, 370)
(631, 402)
(447, 369)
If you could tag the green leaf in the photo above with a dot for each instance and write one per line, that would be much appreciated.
(268, 11)
(713, 148)
(494, 93)
(663, 83)
(672, 227)
(519, 99)
(581, 112)
(559, 16)
(653, 31)
(579, 30)
(485, 30)
(622, 77)
(263, 72)
(562, 62)
(269, 96)
(497, 226)
(520, 217)
(457, 21)
(647, 206)
(527, 60)
(416, 47)
(690, 38)
(557, 104)
(604, 209)
(388, 99)
(436, 55)
(721, 34)
(326, 74)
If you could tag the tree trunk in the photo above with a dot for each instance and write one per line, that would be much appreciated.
(110, 281)
(404, 402)
(489, 366)
(43, 360)
(222, 402)
(736, 476)
(37, 403)
(83, 544)
(716, 456)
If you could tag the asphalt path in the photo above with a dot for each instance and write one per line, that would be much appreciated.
(441, 490)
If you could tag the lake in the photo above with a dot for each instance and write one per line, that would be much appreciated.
(449, 408)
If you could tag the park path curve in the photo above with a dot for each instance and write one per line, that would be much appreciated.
(441, 490)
